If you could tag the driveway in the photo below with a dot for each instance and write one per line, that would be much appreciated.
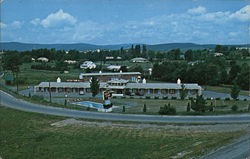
(11, 102)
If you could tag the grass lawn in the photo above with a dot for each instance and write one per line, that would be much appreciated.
(225, 89)
(29, 135)
(153, 105)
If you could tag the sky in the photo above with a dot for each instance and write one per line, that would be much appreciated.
(125, 21)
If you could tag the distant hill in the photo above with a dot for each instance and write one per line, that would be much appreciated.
(83, 46)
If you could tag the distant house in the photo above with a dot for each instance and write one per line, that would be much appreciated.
(118, 58)
(88, 65)
(218, 54)
(70, 61)
(42, 59)
(109, 58)
(114, 68)
(195, 62)
(139, 59)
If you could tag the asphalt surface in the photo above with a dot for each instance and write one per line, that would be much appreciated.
(240, 149)
(11, 102)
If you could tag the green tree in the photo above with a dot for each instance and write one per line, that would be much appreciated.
(167, 110)
(183, 93)
(144, 108)
(218, 48)
(11, 62)
(235, 90)
(137, 50)
(189, 55)
(199, 104)
(188, 107)
(144, 50)
(123, 109)
(243, 77)
(94, 86)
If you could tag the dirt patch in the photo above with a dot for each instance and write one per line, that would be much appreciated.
(197, 128)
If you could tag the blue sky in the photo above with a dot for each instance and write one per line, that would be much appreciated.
(125, 21)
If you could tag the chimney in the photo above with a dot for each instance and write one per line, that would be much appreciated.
(178, 81)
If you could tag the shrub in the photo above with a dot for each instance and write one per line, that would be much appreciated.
(208, 98)
(156, 97)
(147, 97)
(114, 97)
(166, 97)
(234, 108)
(190, 98)
(188, 107)
(144, 108)
(167, 110)
(123, 97)
(123, 108)
(227, 98)
(245, 99)
(131, 97)
(218, 98)
(173, 98)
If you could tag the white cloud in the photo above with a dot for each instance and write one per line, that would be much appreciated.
(58, 18)
(197, 10)
(35, 21)
(1, 1)
(16, 24)
(2, 25)
(243, 14)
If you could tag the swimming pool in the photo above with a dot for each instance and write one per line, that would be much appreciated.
(90, 104)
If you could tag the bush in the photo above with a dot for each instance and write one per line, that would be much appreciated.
(208, 98)
(156, 97)
(218, 98)
(123, 109)
(227, 98)
(234, 108)
(144, 108)
(114, 97)
(147, 97)
(131, 97)
(173, 98)
(190, 98)
(167, 110)
(166, 97)
(245, 99)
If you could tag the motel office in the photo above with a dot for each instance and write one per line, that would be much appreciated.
(121, 83)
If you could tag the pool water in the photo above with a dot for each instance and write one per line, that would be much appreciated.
(90, 104)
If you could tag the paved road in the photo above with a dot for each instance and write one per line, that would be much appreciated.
(239, 149)
(9, 101)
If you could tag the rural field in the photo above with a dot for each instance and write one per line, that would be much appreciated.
(29, 135)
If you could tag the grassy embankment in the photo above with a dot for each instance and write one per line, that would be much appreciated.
(225, 89)
(29, 135)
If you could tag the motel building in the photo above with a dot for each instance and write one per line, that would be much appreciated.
(120, 87)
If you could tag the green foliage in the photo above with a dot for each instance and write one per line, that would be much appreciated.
(188, 107)
(123, 109)
(183, 93)
(234, 108)
(235, 90)
(199, 104)
(94, 86)
(144, 108)
(167, 110)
